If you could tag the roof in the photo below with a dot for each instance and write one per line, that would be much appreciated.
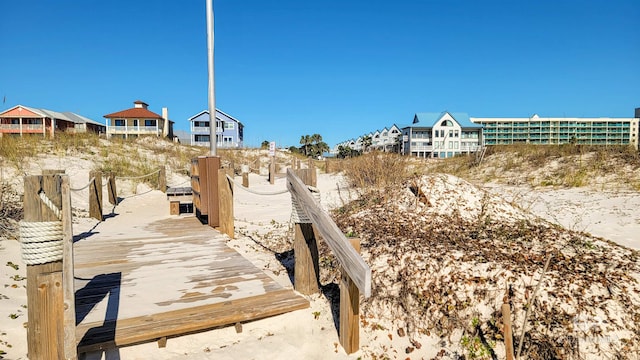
(67, 115)
(218, 111)
(134, 113)
(430, 119)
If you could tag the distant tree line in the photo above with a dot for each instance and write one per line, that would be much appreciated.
(312, 145)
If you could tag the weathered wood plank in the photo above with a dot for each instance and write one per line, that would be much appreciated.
(349, 310)
(173, 323)
(69, 316)
(225, 203)
(50, 316)
(349, 259)
(95, 195)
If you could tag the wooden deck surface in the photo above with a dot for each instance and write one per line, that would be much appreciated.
(170, 277)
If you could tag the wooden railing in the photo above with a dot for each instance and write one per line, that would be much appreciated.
(356, 274)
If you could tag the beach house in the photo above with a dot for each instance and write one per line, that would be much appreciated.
(229, 130)
(20, 120)
(441, 135)
(138, 121)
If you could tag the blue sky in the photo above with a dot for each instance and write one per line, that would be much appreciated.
(339, 68)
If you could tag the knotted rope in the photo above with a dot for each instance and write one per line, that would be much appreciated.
(138, 177)
(82, 188)
(41, 242)
(265, 193)
(298, 214)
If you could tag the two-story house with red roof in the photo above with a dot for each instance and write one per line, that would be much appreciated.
(137, 121)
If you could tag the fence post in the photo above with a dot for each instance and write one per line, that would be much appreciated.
(162, 179)
(272, 170)
(349, 309)
(305, 250)
(68, 289)
(225, 191)
(212, 191)
(41, 322)
(313, 173)
(506, 322)
(245, 176)
(95, 195)
(111, 189)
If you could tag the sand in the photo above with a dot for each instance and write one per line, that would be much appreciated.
(262, 225)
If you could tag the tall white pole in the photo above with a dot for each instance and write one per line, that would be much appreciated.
(213, 125)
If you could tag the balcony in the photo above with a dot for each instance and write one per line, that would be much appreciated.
(15, 128)
(140, 130)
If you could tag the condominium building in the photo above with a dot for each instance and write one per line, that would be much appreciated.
(556, 131)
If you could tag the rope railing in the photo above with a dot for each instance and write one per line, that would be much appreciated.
(265, 193)
(178, 185)
(84, 187)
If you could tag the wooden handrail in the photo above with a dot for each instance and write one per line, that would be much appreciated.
(349, 259)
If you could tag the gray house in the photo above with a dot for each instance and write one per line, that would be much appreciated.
(229, 130)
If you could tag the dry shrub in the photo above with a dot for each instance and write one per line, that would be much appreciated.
(10, 211)
(376, 170)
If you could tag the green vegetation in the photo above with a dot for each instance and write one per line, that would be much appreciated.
(312, 145)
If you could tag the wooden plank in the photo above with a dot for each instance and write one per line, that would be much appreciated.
(162, 179)
(349, 259)
(508, 334)
(203, 185)
(349, 310)
(35, 211)
(213, 212)
(306, 269)
(173, 323)
(69, 315)
(111, 189)
(272, 170)
(95, 195)
(225, 205)
(174, 208)
(50, 316)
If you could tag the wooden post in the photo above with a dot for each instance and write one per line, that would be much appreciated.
(50, 309)
(68, 287)
(35, 210)
(95, 195)
(305, 249)
(312, 170)
(225, 190)
(174, 207)
(326, 166)
(111, 189)
(349, 309)
(306, 268)
(272, 170)
(506, 322)
(162, 179)
(245, 180)
(213, 211)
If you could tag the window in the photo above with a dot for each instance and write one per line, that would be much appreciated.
(227, 140)
(135, 122)
(446, 123)
(201, 138)
(119, 122)
(149, 122)
(229, 125)
(200, 124)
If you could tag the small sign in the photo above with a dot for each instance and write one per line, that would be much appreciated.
(272, 148)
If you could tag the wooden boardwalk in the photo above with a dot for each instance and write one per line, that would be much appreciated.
(170, 277)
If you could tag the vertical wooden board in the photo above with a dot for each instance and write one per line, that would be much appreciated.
(245, 179)
(162, 179)
(225, 190)
(111, 188)
(50, 315)
(95, 195)
(508, 334)
(272, 170)
(349, 309)
(69, 308)
(174, 208)
(34, 211)
(203, 177)
(306, 268)
(213, 215)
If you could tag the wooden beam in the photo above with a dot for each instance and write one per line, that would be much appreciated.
(95, 195)
(349, 259)
(213, 213)
(111, 189)
(50, 316)
(306, 269)
(69, 315)
(162, 179)
(272, 170)
(349, 309)
(36, 211)
(225, 191)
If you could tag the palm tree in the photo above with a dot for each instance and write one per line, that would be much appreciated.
(366, 143)
(305, 141)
